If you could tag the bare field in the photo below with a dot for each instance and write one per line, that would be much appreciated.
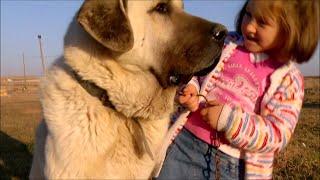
(21, 113)
(312, 90)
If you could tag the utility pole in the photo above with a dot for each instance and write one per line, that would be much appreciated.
(24, 73)
(42, 56)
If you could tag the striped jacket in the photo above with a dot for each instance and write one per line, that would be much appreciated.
(257, 136)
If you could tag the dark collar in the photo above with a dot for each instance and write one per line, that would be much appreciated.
(94, 90)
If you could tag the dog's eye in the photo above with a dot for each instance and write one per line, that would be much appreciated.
(162, 8)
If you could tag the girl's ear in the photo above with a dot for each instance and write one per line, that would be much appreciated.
(106, 21)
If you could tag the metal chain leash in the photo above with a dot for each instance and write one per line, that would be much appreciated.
(216, 142)
(207, 158)
(217, 157)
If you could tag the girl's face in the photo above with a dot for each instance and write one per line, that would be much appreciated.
(260, 34)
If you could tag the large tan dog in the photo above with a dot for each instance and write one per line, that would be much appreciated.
(106, 102)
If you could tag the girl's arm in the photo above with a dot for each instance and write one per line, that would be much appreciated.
(270, 131)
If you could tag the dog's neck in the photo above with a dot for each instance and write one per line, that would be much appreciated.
(102, 95)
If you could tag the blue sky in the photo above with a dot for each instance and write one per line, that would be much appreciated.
(22, 21)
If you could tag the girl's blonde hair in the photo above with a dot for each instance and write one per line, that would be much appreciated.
(298, 21)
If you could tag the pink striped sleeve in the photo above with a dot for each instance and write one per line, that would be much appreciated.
(272, 130)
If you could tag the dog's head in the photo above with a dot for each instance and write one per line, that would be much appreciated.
(154, 35)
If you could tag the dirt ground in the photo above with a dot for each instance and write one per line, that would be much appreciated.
(21, 113)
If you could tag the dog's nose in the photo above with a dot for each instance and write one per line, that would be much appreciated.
(218, 32)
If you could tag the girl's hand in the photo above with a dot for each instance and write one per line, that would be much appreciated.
(188, 97)
(211, 113)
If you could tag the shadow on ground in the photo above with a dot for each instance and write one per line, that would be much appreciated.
(15, 158)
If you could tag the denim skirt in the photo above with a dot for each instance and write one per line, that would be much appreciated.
(191, 158)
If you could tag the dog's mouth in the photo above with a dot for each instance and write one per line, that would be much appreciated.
(179, 79)
(207, 70)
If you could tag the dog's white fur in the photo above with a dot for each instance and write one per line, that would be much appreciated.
(79, 136)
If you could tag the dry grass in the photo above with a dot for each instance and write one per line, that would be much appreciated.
(20, 114)
(301, 158)
(312, 90)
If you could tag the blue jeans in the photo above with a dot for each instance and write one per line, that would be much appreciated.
(191, 158)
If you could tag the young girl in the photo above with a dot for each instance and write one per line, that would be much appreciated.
(252, 99)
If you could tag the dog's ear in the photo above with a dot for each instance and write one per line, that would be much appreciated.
(106, 21)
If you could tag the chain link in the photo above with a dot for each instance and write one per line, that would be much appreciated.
(217, 157)
(216, 142)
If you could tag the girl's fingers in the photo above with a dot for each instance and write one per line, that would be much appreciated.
(189, 90)
(194, 106)
(213, 103)
(204, 113)
(187, 99)
(184, 98)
